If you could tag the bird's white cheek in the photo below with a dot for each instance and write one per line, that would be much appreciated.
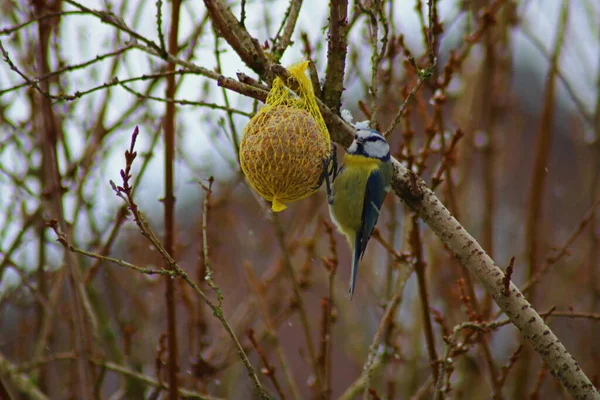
(353, 148)
(377, 149)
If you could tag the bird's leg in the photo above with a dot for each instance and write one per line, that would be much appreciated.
(328, 184)
(330, 167)
(333, 162)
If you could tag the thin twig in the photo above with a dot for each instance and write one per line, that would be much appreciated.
(288, 25)
(62, 70)
(270, 326)
(561, 75)
(564, 249)
(417, 250)
(213, 106)
(424, 74)
(269, 370)
(377, 349)
(376, 17)
(183, 393)
(159, 28)
(331, 264)
(143, 270)
(232, 126)
(47, 15)
(125, 192)
(280, 234)
(451, 343)
(24, 384)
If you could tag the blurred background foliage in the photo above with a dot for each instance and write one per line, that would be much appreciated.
(510, 140)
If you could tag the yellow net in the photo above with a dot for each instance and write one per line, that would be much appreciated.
(285, 143)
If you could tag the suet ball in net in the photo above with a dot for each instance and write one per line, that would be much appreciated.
(285, 143)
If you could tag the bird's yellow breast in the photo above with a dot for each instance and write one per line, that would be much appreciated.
(349, 193)
(361, 162)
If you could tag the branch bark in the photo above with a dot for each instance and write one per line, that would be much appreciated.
(50, 133)
(515, 306)
(285, 39)
(169, 205)
(337, 48)
(247, 47)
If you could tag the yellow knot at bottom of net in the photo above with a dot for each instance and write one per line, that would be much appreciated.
(277, 205)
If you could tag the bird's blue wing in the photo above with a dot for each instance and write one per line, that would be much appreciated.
(374, 196)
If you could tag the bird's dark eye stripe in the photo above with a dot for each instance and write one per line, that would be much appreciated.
(373, 139)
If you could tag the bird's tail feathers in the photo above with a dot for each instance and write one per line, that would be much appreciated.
(355, 259)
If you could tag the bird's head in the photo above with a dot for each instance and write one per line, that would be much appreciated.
(370, 143)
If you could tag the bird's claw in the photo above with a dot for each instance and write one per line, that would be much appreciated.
(333, 162)
(330, 168)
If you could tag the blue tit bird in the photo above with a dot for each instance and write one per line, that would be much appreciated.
(359, 189)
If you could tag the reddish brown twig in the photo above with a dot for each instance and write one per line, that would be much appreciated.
(507, 276)
(268, 370)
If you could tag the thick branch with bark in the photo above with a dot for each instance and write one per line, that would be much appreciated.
(236, 35)
(516, 307)
(337, 48)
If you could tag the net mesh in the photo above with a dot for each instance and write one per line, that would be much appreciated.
(284, 144)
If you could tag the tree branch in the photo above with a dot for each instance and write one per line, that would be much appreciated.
(291, 17)
(337, 48)
(21, 382)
